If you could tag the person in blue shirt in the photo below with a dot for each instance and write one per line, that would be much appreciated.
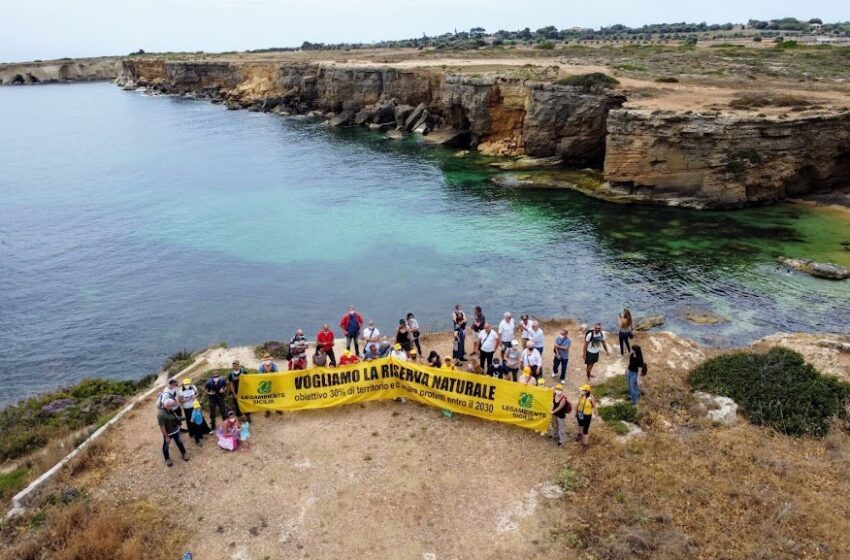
(562, 354)
(267, 365)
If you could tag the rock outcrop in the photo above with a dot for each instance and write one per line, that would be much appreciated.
(724, 160)
(53, 71)
(828, 271)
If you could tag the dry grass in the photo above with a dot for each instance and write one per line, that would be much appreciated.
(754, 101)
(85, 531)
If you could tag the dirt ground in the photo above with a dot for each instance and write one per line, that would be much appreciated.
(380, 480)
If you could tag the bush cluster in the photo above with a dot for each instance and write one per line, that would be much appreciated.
(591, 82)
(777, 389)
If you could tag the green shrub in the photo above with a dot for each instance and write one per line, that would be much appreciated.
(667, 80)
(276, 348)
(592, 81)
(545, 45)
(620, 428)
(616, 387)
(567, 479)
(622, 411)
(11, 482)
(787, 45)
(777, 389)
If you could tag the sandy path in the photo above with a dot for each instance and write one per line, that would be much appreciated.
(378, 480)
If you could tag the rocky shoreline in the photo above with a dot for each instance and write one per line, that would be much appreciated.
(65, 70)
(699, 160)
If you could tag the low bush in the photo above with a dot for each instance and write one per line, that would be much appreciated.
(667, 80)
(755, 101)
(12, 482)
(545, 45)
(620, 411)
(567, 479)
(776, 389)
(616, 387)
(591, 82)
(276, 348)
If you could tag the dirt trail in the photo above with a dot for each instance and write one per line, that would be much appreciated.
(380, 480)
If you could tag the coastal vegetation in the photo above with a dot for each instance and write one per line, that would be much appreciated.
(778, 389)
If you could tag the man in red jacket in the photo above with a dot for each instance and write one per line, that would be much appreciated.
(325, 340)
(350, 325)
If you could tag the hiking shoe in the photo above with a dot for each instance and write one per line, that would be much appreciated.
(169, 463)
(198, 442)
(185, 456)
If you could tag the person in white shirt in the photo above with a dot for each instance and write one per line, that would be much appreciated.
(371, 335)
(594, 341)
(537, 338)
(398, 353)
(488, 339)
(506, 332)
(531, 358)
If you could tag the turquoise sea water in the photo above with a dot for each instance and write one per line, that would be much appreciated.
(133, 226)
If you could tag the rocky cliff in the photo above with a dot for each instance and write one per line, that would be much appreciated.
(684, 158)
(724, 160)
(499, 116)
(69, 70)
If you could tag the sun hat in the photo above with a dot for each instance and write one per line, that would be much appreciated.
(559, 386)
(267, 356)
(347, 353)
(397, 346)
(187, 381)
(413, 353)
(585, 387)
(526, 370)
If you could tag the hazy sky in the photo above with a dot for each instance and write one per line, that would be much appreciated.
(44, 29)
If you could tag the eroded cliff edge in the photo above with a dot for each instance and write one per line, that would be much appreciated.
(60, 71)
(706, 160)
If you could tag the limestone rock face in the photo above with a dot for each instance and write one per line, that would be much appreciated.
(720, 410)
(724, 161)
(70, 70)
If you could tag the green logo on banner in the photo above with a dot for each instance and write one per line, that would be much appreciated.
(264, 388)
(525, 400)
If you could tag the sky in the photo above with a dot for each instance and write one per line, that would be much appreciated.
(46, 29)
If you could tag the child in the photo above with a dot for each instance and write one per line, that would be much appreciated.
(198, 427)
(228, 434)
(244, 433)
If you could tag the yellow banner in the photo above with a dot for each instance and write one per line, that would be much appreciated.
(457, 391)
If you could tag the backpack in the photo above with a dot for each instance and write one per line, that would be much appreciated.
(569, 407)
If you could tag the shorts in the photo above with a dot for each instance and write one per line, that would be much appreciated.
(506, 345)
(584, 423)
(591, 357)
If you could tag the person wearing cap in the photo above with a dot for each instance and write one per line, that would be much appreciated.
(459, 329)
(267, 365)
(169, 426)
(560, 409)
(448, 364)
(498, 369)
(531, 358)
(371, 334)
(402, 335)
(215, 388)
(398, 353)
(513, 359)
(594, 341)
(488, 339)
(413, 356)
(562, 355)
(506, 332)
(325, 340)
(186, 395)
(348, 358)
(298, 346)
(350, 325)
(527, 377)
(197, 425)
(233, 376)
(585, 407)
(385, 348)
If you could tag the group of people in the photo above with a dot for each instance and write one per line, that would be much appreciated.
(496, 352)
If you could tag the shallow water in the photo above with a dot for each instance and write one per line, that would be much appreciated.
(133, 226)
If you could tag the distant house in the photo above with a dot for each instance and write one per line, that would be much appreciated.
(815, 27)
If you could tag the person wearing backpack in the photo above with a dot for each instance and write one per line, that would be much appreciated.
(585, 407)
(594, 341)
(636, 364)
(560, 408)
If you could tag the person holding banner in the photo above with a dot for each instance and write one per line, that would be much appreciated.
(402, 335)
(527, 377)
(487, 341)
(298, 346)
(350, 325)
(398, 353)
(585, 408)
(371, 335)
(348, 358)
(434, 360)
(325, 340)
(459, 328)
(371, 352)
(513, 359)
